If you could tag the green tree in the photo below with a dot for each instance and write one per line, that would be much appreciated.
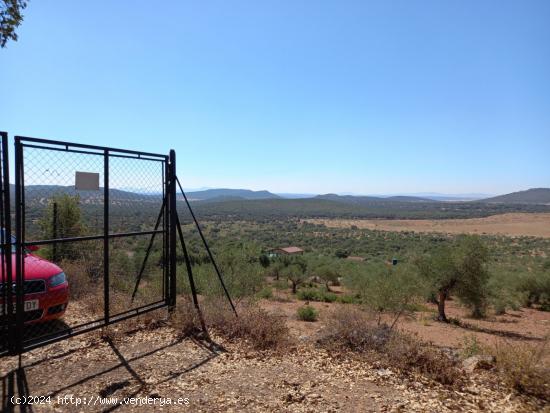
(296, 272)
(241, 272)
(328, 274)
(459, 268)
(389, 289)
(276, 269)
(473, 275)
(10, 18)
(62, 219)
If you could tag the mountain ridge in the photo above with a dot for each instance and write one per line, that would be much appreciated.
(533, 196)
(528, 196)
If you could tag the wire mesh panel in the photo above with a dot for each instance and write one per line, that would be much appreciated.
(91, 237)
(137, 270)
(136, 273)
(55, 207)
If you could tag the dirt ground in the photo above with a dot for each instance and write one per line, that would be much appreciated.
(513, 224)
(525, 325)
(155, 362)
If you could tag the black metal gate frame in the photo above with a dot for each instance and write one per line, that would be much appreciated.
(17, 344)
(5, 261)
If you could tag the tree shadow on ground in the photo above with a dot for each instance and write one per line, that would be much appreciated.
(499, 333)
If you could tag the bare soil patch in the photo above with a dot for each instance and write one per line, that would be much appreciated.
(512, 224)
(525, 325)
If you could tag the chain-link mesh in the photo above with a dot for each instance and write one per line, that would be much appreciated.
(49, 179)
(136, 194)
(136, 262)
(64, 233)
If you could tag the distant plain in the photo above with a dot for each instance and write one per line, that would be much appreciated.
(511, 224)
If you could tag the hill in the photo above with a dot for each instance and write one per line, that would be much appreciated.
(229, 194)
(530, 196)
(39, 194)
(241, 204)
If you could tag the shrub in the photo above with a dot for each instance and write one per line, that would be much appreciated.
(347, 299)
(185, 318)
(470, 346)
(81, 284)
(261, 329)
(313, 294)
(503, 291)
(307, 313)
(309, 294)
(329, 297)
(519, 286)
(524, 367)
(265, 293)
(409, 353)
(536, 287)
(355, 330)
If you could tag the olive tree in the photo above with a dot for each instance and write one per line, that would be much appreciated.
(388, 289)
(459, 268)
(295, 271)
(328, 274)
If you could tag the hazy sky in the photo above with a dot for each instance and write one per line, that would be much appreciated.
(295, 96)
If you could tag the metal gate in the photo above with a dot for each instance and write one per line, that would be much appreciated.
(6, 313)
(93, 240)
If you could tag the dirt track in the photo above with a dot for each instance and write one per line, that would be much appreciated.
(513, 224)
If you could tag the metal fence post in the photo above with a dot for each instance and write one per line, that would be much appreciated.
(6, 241)
(106, 235)
(172, 226)
(19, 254)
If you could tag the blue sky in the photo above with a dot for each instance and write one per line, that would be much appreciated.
(295, 96)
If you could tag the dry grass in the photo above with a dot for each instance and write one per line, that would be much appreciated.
(259, 328)
(524, 367)
(185, 319)
(82, 282)
(409, 353)
(355, 330)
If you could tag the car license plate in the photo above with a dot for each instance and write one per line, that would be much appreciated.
(29, 305)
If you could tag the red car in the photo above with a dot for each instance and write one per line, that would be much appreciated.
(45, 287)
